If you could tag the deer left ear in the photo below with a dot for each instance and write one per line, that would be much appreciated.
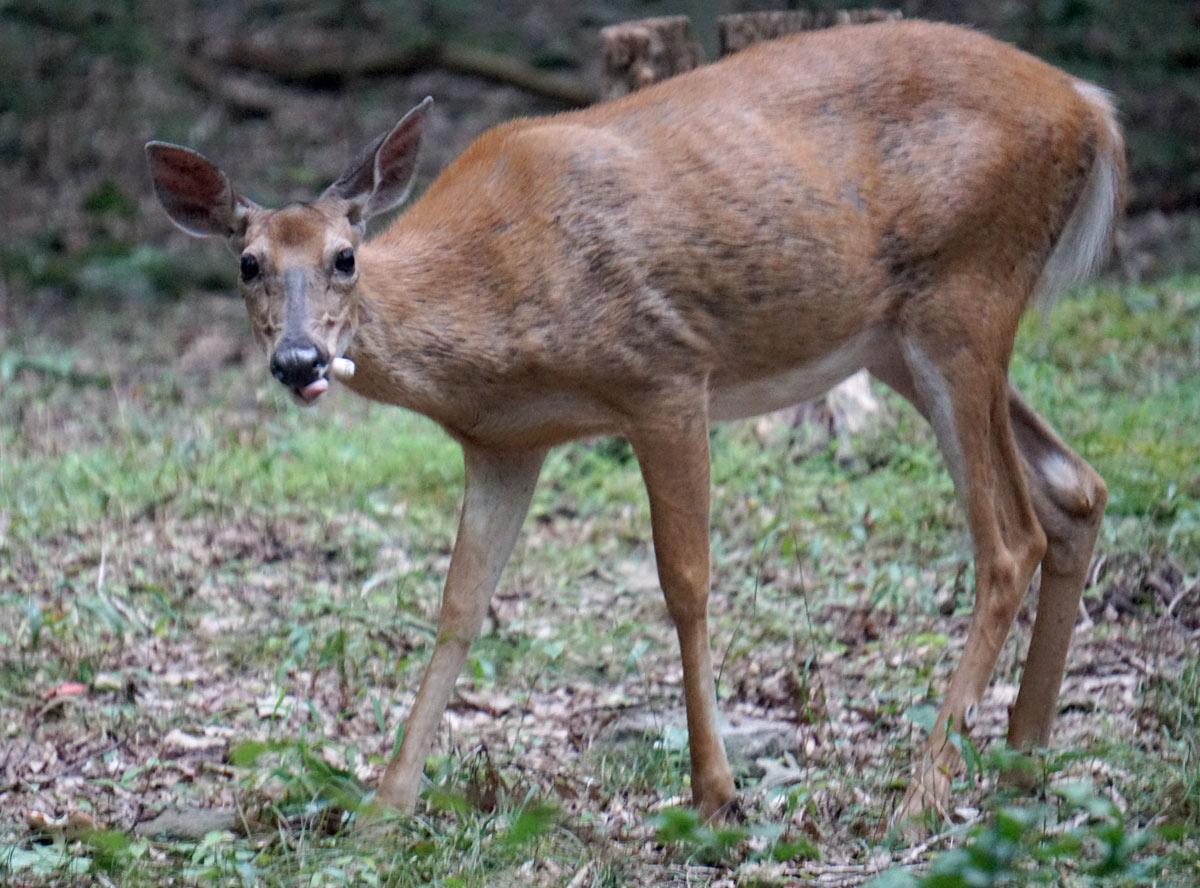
(197, 196)
(381, 177)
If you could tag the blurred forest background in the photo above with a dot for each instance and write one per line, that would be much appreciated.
(282, 93)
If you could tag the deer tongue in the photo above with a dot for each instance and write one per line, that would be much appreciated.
(313, 390)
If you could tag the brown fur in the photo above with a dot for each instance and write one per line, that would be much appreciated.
(727, 242)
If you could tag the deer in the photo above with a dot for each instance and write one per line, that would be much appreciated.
(729, 242)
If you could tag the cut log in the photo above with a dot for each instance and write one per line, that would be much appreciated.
(736, 32)
(637, 54)
(190, 823)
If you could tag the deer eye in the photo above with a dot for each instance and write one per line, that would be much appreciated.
(249, 267)
(344, 261)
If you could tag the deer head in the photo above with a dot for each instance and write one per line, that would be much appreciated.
(299, 275)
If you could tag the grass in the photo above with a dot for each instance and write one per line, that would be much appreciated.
(212, 563)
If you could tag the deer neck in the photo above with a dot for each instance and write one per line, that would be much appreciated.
(411, 345)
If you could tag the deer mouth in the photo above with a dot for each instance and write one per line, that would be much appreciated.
(340, 368)
(308, 394)
(301, 367)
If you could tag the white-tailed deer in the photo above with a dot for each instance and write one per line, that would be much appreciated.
(726, 243)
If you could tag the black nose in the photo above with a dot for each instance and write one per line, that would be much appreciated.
(296, 364)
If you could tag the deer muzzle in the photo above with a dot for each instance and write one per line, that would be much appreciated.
(298, 362)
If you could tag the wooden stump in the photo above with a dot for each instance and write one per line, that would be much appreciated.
(637, 54)
(736, 32)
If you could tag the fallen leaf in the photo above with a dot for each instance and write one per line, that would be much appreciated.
(65, 689)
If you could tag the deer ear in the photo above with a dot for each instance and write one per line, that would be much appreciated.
(195, 193)
(381, 177)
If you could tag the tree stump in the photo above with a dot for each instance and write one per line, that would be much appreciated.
(736, 32)
(639, 53)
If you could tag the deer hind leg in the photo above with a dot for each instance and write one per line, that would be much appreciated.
(963, 391)
(674, 459)
(1068, 497)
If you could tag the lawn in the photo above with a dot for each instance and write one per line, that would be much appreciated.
(215, 606)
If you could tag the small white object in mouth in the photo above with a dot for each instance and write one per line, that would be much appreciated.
(341, 368)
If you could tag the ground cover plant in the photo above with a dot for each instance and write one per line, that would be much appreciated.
(213, 601)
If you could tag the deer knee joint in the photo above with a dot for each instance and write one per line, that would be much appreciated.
(1075, 487)
(686, 590)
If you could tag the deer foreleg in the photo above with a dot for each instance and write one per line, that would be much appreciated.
(499, 487)
(674, 460)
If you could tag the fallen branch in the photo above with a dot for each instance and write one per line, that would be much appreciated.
(190, 823)
(332, 67)
(243, 98)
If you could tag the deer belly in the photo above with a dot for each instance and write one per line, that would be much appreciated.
(739, 398)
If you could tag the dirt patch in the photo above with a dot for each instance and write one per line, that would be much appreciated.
(116, 749)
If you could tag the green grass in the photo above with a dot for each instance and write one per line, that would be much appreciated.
(191, 545)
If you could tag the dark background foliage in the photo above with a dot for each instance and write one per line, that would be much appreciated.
(84, 84)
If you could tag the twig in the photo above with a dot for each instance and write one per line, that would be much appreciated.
(1094, 574)
(1192, 587)
(913, 854)
(580, 877)
(1085, 619)
(100, 571)
(1138, 663)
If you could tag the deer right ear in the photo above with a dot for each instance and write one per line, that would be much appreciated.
(381, 177)
(197, 196)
